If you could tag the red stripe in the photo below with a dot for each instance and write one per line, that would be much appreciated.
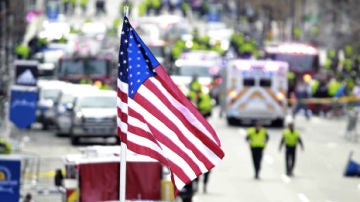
(122, 96)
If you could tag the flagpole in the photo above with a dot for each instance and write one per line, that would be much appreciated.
(122, 172)
(122, 188)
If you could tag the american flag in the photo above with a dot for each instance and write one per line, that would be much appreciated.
(156, 119)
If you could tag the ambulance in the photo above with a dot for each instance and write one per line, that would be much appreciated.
(255, 90)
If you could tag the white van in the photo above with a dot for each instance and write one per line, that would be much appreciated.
(255, 90)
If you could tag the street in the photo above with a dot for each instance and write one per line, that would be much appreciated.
(318, 171)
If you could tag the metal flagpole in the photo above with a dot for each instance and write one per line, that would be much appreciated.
(122, 188)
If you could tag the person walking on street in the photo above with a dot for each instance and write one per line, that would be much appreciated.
(291, 138)
(257, 137)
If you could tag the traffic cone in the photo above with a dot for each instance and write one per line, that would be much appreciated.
(352, 168)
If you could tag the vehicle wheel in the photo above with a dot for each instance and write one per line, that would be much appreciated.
(118, 142)
(232, 121)
(45, 126)
(74, 140)
(278, 123)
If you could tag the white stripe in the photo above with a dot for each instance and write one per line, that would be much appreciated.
(191, 137)
(122, 86)
(178, 182)
(122, 125)
(189, 116)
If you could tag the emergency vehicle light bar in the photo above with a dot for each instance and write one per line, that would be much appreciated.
(264, 65)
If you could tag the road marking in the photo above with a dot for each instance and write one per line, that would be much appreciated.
(358, 186)
(303, 197)
(286, 179)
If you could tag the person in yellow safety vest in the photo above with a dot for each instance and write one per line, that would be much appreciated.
(201, 100)
(290, 138)
(5, 146)
(73, 5)
(22, 51)
(257, 137)
(333, 87)
(83, 5)
(195, 84)
(104, 87)
(86, 80)
(314, 85)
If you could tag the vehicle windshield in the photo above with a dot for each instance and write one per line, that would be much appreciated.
(157, 51)
(299, 62)
(97, 102)
(50, 94)
(201, 71)
(93, 67)
(66, 98)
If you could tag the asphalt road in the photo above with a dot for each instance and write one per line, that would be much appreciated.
(318, 172)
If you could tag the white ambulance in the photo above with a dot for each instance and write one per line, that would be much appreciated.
(255, 90)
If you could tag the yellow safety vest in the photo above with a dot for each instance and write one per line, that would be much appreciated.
(205, 105)
(291, 138)
(5, 146)
(257, 140)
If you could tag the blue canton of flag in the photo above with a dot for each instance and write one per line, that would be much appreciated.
(136, 61)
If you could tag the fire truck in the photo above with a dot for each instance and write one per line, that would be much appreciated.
(95, 68)
(94, 175)
(303, 60)
(255, 90)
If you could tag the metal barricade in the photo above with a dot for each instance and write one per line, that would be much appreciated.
(351, 133)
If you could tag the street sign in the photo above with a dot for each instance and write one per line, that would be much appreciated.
(26, 72)
(23, 102)
(10, 178)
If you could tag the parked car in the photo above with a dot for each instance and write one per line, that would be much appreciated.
(65, 101)
(49, 91)
(94, 114)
